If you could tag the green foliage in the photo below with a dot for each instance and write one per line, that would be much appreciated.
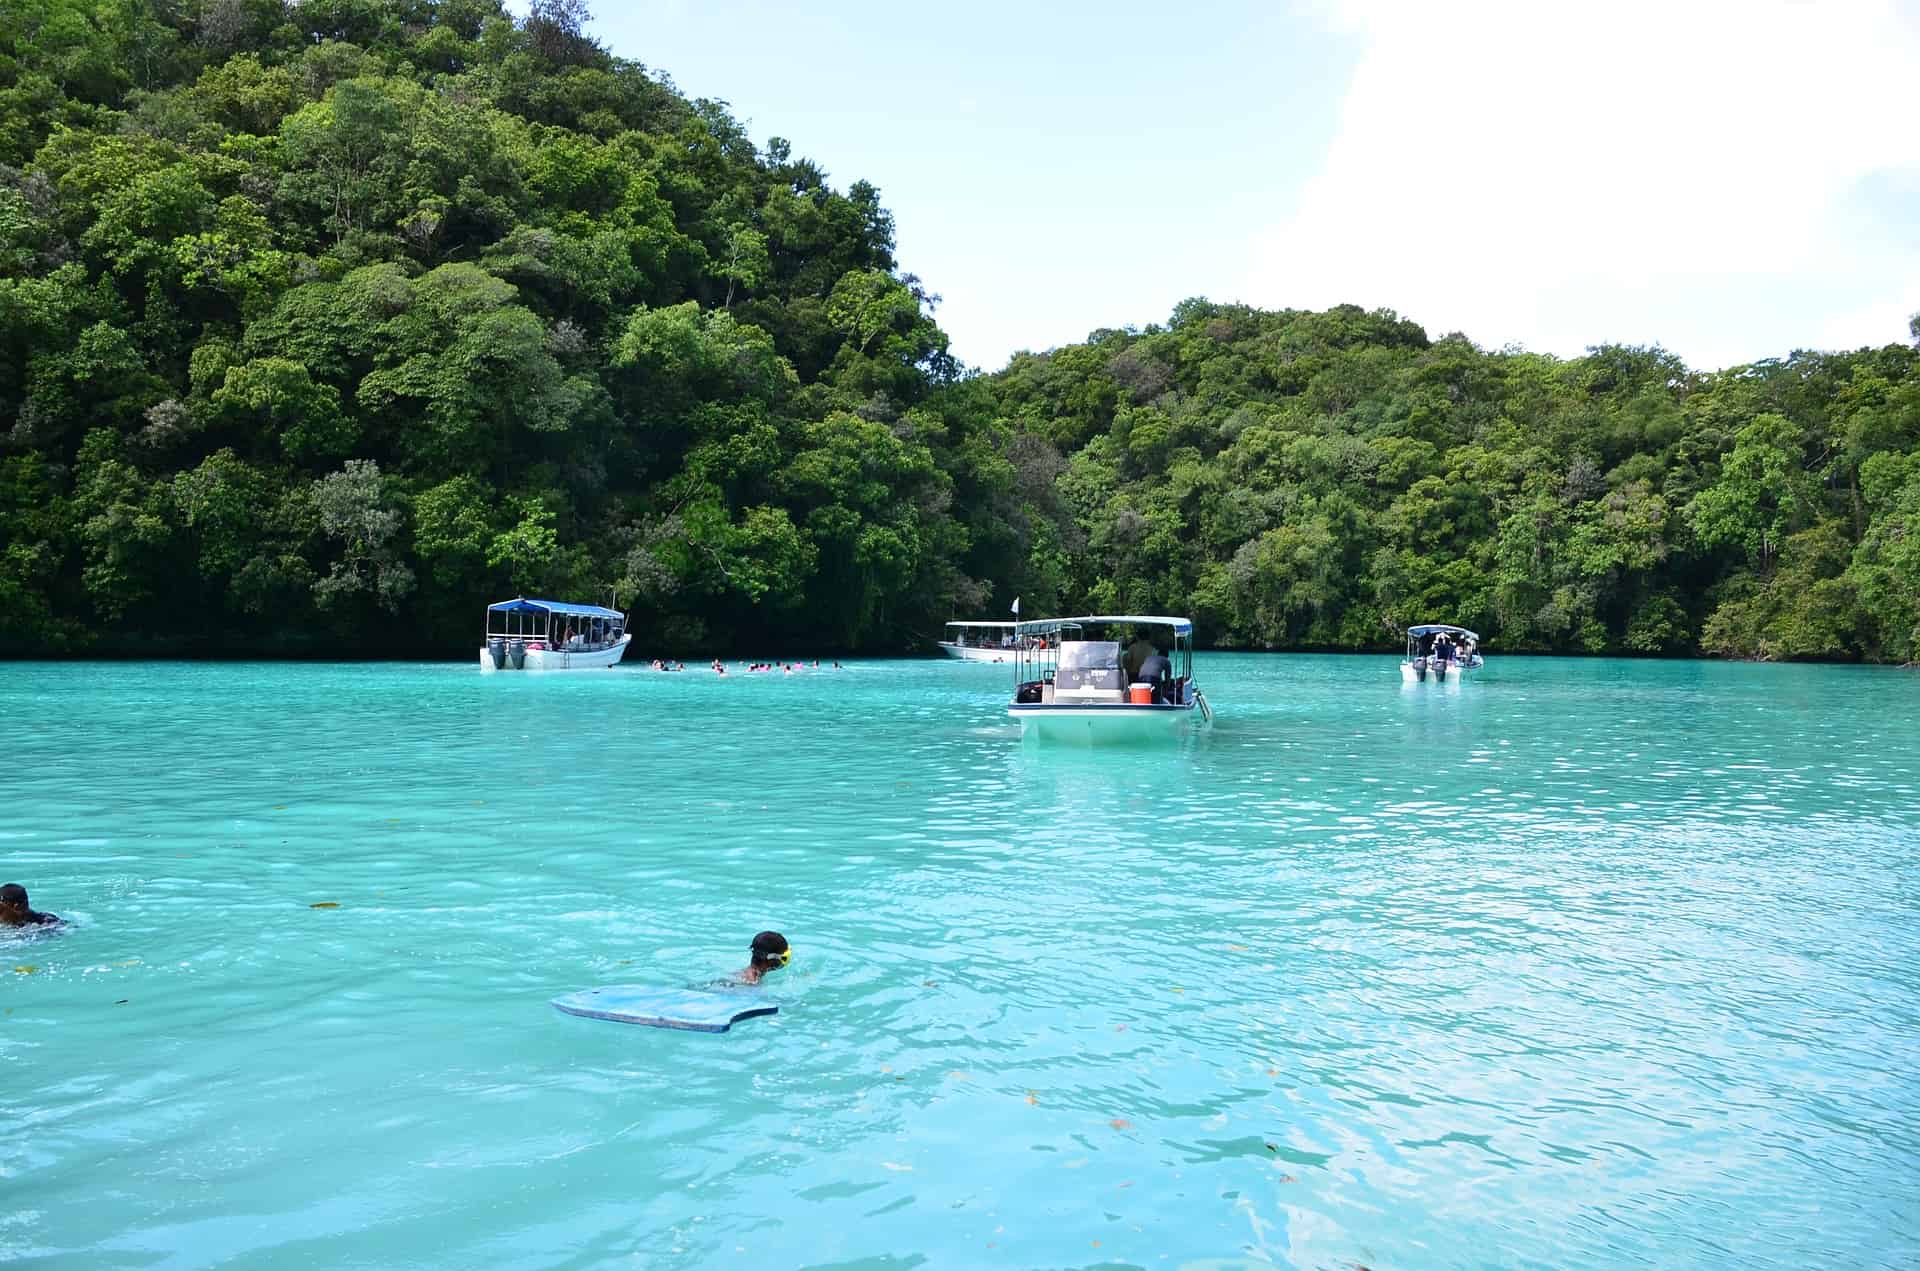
(1322, 480)
(336, 320)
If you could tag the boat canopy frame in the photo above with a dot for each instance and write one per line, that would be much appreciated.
(525, 619)
(1418, 635)
(958, 632)
(1036, 652)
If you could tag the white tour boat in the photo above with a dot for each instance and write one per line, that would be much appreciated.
(1438, 652)
(979, 641)
(551, 635)
(1105, 676)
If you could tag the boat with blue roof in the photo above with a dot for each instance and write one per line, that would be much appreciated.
(523, 634)
(1439, 651)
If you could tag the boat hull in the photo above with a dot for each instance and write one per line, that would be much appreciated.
(974, 653)
(546, 660)
(1095, 723)
(1456, 671)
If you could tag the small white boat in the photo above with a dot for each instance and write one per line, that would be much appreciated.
(979, 641)
(1438, 652)
(552, 635)
(1105, 677)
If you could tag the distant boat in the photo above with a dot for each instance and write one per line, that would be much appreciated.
(979, 641)
(1436, 651)
(552, 635)
(1105, 676)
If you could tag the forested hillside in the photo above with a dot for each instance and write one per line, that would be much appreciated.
(326, 323)
(323, 324)
(1319, 480)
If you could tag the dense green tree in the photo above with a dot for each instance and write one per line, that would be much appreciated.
(1321, 480)
(324, 323)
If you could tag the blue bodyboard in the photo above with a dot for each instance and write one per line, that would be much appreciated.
(688, 1009)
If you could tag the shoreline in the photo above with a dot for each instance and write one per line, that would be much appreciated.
(699, 660)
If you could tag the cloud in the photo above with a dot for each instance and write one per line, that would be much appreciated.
(1730, 179)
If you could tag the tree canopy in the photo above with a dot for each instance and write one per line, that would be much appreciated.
(1322, 480)
(323, 324)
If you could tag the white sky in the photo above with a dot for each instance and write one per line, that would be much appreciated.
(1731, 180)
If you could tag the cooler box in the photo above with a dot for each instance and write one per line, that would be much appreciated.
(1140, 694)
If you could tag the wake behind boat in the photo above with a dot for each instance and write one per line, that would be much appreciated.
(1105, 676)
(552, 635)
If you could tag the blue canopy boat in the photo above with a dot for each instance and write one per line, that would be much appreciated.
(552, 635)
(1436, 649)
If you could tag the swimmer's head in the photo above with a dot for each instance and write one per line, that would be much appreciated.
(13, 895)
(771, 950)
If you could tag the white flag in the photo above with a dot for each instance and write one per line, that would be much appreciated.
(1016, 606)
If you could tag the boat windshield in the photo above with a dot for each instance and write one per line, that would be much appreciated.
(1088, 664)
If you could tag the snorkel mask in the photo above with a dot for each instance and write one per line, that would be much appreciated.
(786, 956)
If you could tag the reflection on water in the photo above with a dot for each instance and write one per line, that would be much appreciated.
(1579, 963)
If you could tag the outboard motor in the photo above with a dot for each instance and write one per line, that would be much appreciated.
(517, 654)
(497, 652)
(1419, 668)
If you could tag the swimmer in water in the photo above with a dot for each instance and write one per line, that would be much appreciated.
(770, 952)
(15, 913)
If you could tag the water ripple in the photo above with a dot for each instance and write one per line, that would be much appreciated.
(1583, 964)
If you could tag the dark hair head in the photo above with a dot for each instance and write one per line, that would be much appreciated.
(768, 946)
(15, 894)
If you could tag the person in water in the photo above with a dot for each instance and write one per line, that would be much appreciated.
(14, 911)
(770, 952)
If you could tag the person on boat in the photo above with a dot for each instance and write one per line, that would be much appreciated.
(1154, 670)
(1137, 653)
(15, 912)
(770, 951)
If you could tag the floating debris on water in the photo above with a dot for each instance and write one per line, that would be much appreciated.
(324, 904)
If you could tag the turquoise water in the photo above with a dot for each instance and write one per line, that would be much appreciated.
(1583, 964)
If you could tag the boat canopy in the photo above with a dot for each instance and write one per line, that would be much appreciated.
(522, 605)
(1043, 626)
(1435, 628)
(1002, 626)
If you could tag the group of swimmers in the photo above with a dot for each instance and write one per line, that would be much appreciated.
(720, 668)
